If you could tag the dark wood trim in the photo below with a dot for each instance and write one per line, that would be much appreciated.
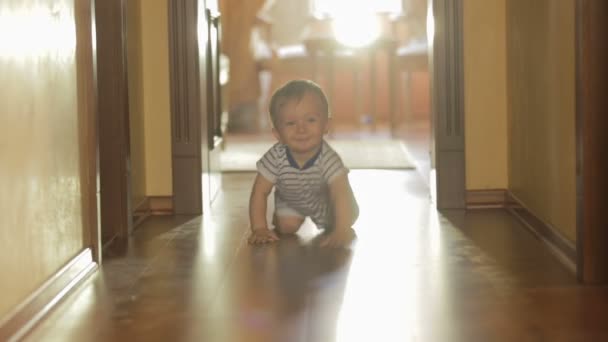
(562, 248)
(152, 206)
(211, 103)
(113, 111)
(491, 198)
(188, 106)
(161, 205)
(579, 142)
(447, 104)
(592, 140)
(87, 125)
(32, 310)
(141, 211)
(212, 82)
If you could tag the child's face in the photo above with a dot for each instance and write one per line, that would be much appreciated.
(302, 124)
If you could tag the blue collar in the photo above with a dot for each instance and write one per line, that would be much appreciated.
(308, 164)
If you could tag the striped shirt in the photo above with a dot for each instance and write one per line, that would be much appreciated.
(302, 189)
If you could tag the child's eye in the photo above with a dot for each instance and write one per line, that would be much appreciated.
(290, 123)
(313, 119)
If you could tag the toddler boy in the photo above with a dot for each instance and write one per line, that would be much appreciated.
(309, 177)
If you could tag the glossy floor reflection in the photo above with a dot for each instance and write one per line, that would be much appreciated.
(412, 275)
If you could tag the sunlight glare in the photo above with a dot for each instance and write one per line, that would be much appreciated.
(27, 33)
(430, 24)
(434, 233)
(355, 22)
(209, 240)
(356, 29)
(201, 30)
(367, 295)
(333, 8)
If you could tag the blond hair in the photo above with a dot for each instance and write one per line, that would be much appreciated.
(295, 90)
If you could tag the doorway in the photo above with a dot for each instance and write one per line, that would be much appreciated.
(375, 95)
(378, 95)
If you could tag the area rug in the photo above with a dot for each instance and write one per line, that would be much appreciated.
(240, 156)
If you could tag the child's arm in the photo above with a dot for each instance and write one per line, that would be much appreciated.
(257, 212)
(345, 211)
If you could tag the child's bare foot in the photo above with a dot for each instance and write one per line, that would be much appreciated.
(338, 238)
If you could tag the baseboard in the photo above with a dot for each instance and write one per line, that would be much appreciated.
(141, 211)
(161, 205)
(491, 198)
(30, 312)
(561, 247)
(152, 205)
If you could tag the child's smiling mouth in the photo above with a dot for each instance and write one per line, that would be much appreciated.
(301, 139)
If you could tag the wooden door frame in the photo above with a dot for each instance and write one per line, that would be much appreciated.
(113, 122)
(211, 114)
(186, 104)
(447, 105)
(196, 132)
(591, 141)
(88, 126)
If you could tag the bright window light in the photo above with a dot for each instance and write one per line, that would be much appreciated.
(430, 25)
(37, 31)
(333, 8)
(356, 30)
(355, 22)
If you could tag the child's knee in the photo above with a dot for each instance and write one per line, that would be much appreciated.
(288, 224)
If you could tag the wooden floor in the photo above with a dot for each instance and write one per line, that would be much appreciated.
(413, 274)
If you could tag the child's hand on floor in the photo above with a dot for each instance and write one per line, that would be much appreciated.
(261, 236)
(338, 238)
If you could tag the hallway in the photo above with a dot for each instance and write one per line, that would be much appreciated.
(412, 275)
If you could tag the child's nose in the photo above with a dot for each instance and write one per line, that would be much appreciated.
(300, 126)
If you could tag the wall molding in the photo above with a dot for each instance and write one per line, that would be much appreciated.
(562, 248)
(161, 205)
(152, 206)
(17, 323)
(141, 211)
(490, 198)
